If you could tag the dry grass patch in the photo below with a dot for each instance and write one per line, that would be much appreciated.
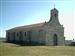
(8, 49)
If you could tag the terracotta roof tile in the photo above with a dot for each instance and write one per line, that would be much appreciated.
(27, 27)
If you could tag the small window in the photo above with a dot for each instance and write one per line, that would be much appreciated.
(20, 34)
(17, 34)
(25, 34)
(40, 30)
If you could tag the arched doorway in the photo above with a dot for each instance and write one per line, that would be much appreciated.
(55, 40)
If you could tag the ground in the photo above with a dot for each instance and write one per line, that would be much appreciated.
(8, 49)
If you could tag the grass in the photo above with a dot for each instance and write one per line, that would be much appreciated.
(8, 49)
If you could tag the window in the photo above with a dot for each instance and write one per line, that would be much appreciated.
(29, 36)
(17, 34)
(40, 30)
(25, 33)
(20, 34)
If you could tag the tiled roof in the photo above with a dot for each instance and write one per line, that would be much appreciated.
(27, 27)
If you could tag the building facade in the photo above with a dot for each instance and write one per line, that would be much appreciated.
(47, 33)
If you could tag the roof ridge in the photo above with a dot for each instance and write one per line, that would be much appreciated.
(26, 26)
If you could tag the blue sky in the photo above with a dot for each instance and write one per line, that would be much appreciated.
(15, 13)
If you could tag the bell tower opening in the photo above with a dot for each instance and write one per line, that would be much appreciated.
(55, 40)
(54, 17)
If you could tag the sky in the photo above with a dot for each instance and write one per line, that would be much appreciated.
(15, 13)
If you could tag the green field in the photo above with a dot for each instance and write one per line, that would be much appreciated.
(7, 49)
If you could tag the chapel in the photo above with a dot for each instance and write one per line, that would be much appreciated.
(46, 33)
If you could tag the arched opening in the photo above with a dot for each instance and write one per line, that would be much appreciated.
(55, 40)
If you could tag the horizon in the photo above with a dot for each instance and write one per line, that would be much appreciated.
(26, 12)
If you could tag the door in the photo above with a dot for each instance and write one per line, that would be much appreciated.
(55, 40)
